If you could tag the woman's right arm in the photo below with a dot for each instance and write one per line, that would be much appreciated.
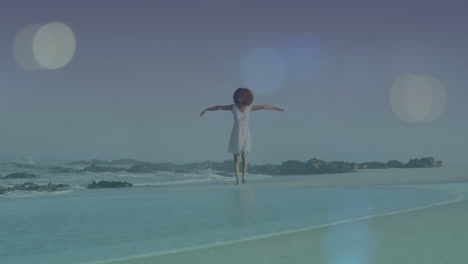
(215, 108)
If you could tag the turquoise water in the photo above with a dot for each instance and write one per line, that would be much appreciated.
(93, 225)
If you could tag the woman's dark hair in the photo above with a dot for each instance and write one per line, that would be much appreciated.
(243, 97)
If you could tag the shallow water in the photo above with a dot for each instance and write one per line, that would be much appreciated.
(81, 226)
(97, 225)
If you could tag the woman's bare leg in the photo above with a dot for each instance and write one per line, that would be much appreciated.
(236, 167)
(244, 166)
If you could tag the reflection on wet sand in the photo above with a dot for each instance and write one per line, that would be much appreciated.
(245, 201)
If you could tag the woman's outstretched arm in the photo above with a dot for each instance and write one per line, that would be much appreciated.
(215, 108)
(268, 107)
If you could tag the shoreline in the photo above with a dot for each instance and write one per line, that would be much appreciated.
(362, 178)
(394, 229)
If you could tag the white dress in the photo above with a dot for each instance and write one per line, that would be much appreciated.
(240, 134)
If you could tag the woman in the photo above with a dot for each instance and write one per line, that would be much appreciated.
(239, 142)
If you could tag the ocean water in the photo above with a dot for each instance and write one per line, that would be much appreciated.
(174, 211)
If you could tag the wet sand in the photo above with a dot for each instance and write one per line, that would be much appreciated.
(361, 178)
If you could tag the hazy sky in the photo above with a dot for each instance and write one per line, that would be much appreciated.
(367, 81)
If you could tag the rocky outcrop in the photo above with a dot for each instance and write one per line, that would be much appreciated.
(34, 187)
(290, 167)
(20, 175)
(316, 166)
(4, 190)
(373, 165)
(293, 167)
(108, 184)
(428, 162)
(395, 164)
(40, 188)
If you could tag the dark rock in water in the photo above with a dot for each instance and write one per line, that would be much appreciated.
(428, 162)
(316, 166)
(4, 190)
(341, 167)
(20, 175)
(293, 167)
(96, 168)
(413, 163)
(142, 168)
(395, 164)
(374, 165)
(27, 186)
(34, 187)
(39, 188)
(108, 184)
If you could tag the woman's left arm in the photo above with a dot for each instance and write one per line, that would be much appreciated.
(268, 107)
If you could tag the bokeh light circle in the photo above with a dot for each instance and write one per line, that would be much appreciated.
(23, 48)
(418, 98)
(263, 70)
(54, 45)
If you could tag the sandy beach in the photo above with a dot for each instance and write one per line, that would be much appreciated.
(434, 234)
